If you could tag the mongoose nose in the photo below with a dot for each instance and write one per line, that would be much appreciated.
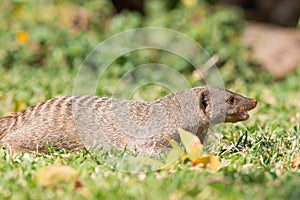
(254, 101)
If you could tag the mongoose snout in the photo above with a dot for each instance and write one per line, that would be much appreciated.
(238, 107)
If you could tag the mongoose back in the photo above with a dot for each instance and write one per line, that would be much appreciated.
(75, 122)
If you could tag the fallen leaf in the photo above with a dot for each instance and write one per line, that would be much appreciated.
(55, 174)
(204, 161)
(176, 146)
(214, 163)
(191, 143)
(177, 155)
(209, 161)
(172, 157)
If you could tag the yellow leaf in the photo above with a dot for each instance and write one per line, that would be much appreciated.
(19, 105)
(55, 174)
(172, 157)
(204, 161)
(214, 162)
(209, 161)
(194, 149)
(191, 143)
(176, 146)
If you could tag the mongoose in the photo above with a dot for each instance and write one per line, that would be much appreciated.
(75, 122)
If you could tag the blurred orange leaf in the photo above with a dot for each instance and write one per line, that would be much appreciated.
(23, 37)
(214, 162)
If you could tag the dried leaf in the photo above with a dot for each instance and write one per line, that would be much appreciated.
(55, 174)
(296, 162)
(194, 149)
(204, 161)
(172, 157)
(210, 161)
(191, 143)
(214, 162)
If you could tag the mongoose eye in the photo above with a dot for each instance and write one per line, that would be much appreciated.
(231, 100)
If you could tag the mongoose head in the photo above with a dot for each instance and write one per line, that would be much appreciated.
(221, 105)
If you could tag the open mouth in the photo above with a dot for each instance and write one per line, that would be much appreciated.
(242, 114)
(237, 117)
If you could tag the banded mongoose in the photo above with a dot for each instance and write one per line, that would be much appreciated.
(75, 122)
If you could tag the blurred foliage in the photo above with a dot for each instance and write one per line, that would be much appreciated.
(62, 33)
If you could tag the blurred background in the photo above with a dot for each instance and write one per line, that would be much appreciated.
(255, 45)
(43, 43)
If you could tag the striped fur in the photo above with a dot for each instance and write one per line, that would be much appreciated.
(84, 121)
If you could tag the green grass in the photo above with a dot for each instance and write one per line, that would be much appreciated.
(256, 154)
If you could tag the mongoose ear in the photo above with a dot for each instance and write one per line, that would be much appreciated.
(204, 100)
